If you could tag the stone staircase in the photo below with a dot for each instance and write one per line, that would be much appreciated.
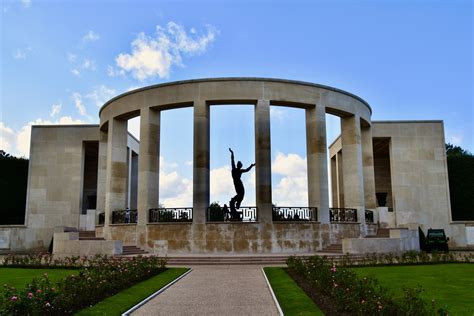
(381, 233)
(333, 249)
(88, 235)
(132, 251)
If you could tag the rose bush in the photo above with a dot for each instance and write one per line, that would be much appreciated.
(358, 295)
(99, 277)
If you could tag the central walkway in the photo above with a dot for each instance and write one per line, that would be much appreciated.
(215, 290)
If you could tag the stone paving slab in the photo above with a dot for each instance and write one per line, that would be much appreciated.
(215, 290)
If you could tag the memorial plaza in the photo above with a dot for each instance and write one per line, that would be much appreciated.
(95, 188)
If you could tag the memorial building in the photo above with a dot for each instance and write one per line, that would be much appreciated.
(95, 188)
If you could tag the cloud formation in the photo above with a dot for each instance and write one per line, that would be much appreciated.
(77, 97)
(55, 109)
(100, 95)
(292, 189)
(90, 36)
(153, 56)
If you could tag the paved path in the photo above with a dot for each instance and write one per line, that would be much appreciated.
(215, 290)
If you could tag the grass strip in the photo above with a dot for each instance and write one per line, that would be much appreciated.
(122, 301)
(292, 299)
(451, 285)
(20, 277)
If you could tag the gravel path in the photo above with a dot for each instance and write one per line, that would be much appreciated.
(215, 290)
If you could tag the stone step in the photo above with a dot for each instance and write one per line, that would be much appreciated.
(132, 250)
(91, 238)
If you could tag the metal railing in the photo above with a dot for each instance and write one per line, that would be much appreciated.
(369, 216)
(280, 213)
(346, 215)
(124, 217)
(242, 214)
(176, 214)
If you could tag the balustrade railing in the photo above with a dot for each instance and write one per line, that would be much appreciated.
(346, 215)
(176, 214)
(295, 213)
(369, 216)
(216, 213)
(124, 217)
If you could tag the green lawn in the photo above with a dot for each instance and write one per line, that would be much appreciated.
(451, 285)
(120, 302)
(292, 299)
(20, 277)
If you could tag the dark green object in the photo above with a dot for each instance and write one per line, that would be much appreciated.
(436, 240)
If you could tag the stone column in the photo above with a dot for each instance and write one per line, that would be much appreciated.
(263, 161)
(368, 165)
(353, 180)
(340, 180)
(116, 175)
(148, 163)
(316, 151)
(101, 172)
(201, 181)
(129, 175)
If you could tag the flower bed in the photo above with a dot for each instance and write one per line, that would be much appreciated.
(100, 277)
(355, 295)
(409, 257)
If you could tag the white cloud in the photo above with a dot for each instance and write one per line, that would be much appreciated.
(90, 36)
(18, 142)
(153, 56)
(76, 72)
(7, 137)
(292, 189)
(55, 109)
(175, 190)
(88, 64)
(26, 3)
(289, 165)
(71, 57)
(78, 103)
(100, 95)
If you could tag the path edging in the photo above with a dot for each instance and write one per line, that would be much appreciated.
(273, 294)
(153, 295)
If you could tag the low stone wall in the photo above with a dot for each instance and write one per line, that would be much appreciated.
(69, 244)
(338, 231)
(400, 240)
(235, 238)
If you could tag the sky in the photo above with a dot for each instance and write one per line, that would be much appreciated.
(61, 60)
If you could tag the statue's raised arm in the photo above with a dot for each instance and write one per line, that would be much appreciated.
(249, 168)
(232, 158)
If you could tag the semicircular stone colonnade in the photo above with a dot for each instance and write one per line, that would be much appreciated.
(264, 235)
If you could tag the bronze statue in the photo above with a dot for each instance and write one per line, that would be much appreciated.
(239, 186)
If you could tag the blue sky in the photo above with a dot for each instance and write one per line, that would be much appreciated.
(60, 60)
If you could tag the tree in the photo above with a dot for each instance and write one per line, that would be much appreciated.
(461, 182)
(13, 183)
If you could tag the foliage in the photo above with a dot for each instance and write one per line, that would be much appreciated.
(461, 182)
(216, 213)
(13, 183)
(100, 277)
(124, 300)
(355, 295)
